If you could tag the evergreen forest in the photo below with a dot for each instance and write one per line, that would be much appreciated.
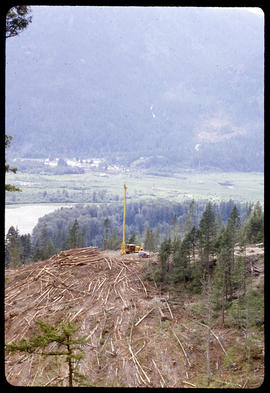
(179, 224)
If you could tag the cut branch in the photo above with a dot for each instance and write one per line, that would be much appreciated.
(138, 364)
(142, 318)
(216, 337)
(184, 352)
(163, 380)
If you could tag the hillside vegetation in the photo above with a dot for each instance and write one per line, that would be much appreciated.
(100, 224)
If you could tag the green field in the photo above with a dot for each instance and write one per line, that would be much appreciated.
(215, 186)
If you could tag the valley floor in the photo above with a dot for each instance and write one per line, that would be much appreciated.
(176, 186)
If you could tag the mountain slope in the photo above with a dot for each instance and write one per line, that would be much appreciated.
(123, 82)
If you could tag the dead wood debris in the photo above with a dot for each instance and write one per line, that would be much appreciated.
(86, 286)
(120, 314)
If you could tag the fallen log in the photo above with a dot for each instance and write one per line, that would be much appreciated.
(184, 352)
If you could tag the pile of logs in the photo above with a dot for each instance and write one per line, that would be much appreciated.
(78, 256)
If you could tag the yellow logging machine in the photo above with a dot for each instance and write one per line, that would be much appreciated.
(128, 248)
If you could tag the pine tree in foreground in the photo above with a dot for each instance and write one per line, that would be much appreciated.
(68, 346)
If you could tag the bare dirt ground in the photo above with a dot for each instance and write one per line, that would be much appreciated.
(137, 336)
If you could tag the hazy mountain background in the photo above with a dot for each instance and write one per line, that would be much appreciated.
(180, 86)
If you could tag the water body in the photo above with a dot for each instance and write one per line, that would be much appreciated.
(25, 217)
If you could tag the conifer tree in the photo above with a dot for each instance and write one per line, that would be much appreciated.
(150, 240)
(229, 239)
(176, 244)
(44, 247)
(173, 227)
(241, 270)
(17, 19)
(114, 241)
(181, 260)
(164, 253)
(207, 237)
(192, 238)
(74, 238)
(132, 238)
(225, 264)
(191, 218)
(26, 248)
(106, 231)
(63, 335)
(233, 228)
(13, 248)
(255, 225)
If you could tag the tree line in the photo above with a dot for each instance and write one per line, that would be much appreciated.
(147, 221)
(205, 261)
(62, 195)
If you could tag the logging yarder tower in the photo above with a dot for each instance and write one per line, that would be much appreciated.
(128, 248)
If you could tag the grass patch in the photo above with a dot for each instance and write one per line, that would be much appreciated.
(177, 187)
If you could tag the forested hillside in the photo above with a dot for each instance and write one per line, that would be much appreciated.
(101, 225)
(179, 86)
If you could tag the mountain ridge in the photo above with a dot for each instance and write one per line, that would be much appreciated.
(125, 82)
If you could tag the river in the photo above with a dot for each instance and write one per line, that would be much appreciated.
(25, 217)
